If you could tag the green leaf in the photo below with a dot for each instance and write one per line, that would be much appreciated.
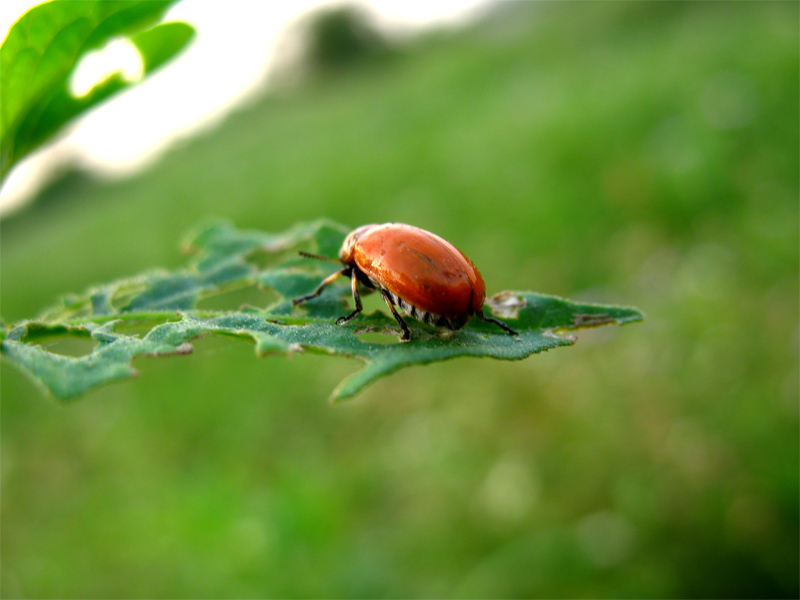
(42, 49)
(161, 43)
(227, 258)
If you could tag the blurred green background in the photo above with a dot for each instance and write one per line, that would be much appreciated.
(634, 153)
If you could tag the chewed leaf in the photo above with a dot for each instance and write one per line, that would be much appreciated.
(227, 257)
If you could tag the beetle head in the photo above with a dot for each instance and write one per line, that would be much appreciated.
(346, 252)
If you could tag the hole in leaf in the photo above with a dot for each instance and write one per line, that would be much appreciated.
(236, 298)
(119, 55)
(139, 328)
(374, 337)
(69, 346)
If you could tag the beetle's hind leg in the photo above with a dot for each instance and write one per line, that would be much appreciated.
(388, 299)
(507, 329)
(356, 299)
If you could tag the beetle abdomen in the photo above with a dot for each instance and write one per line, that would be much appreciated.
(424, 316)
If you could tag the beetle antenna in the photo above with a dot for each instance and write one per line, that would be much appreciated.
(317, 256)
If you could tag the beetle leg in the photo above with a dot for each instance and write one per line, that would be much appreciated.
(388, 299)
(325, 283)
(483, 317)
(356, 299)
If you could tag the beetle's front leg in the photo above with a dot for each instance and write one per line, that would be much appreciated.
(325, 283)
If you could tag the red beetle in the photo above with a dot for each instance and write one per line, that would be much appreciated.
(426, 276)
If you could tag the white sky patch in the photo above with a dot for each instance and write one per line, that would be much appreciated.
(118, 55)
(224, 67)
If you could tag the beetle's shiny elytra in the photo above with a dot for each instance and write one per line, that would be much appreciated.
(425, 276)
